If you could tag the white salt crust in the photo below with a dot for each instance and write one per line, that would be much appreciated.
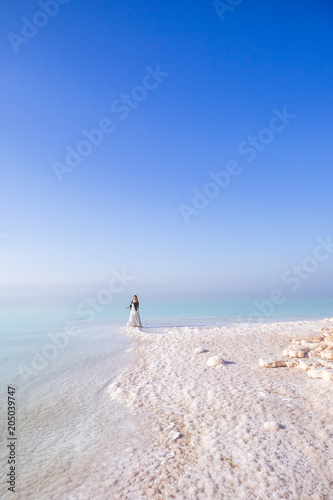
(236, 431)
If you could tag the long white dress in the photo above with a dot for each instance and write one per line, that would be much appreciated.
(134, 319)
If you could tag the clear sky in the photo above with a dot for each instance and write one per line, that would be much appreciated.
(179, 89)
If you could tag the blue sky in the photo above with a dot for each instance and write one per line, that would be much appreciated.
(119, 208)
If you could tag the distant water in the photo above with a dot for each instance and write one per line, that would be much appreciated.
(239, 310)
(16, 315)
(61, 362)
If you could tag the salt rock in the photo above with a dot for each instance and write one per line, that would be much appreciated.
(271, 363)
(321, 347)
(173, 435)
(317, 339)
(271, 426)
(326, 319)
(327, 374)
(199, 350)
(315, 373)
(215, 361)
(291, 363)
(313, 354)
(328, 354)
(322, 362)
(286, 353)
(309, 343)
(329, 340)
(305, 364)
(298, 352)
(297, 342)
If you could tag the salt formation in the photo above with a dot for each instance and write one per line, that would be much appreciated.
(271, 426)
(215, 361)
(272, 362)
(173, 435)
(199, 350)
(315, 373)
(327, 374)
(312, 355)
(244, 432)
(296, 352)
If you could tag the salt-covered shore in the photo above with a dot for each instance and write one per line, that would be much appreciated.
(234, 431)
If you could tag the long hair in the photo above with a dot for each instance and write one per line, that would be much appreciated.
(136, 297)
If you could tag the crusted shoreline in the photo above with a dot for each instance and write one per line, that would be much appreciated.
(313, 355)
(229, 429)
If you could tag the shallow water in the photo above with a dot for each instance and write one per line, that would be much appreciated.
(67, 426)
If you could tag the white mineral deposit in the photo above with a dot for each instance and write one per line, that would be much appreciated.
(246, 432)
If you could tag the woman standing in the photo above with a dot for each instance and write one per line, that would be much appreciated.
(134, 319)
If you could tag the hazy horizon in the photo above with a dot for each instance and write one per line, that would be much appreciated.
(153, 290)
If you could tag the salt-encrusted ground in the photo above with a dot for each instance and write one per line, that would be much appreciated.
(207, 438)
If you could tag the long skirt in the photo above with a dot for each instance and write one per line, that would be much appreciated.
(134, 319)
